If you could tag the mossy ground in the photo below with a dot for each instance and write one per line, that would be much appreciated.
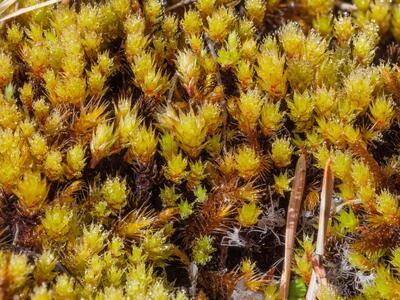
(148, 148)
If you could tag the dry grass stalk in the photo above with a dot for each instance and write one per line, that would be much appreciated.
(5, 5)
(28, 9)
(296, 197)
(318, 274)
(179, 4)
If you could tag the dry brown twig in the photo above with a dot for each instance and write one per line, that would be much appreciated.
(173, 86)
(337, 209)
(26, 9)
(296, 197)
(318, 275)
(5, 5)
(213, 53)
(179, 4)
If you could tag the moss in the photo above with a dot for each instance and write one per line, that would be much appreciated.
(138, 137)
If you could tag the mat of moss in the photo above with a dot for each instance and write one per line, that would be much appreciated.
(148, 149)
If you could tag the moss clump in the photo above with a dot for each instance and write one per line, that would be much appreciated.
(147, 148)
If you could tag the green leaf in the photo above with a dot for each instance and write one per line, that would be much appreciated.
(297, 289)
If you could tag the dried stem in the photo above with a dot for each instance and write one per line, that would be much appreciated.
(340, 207)
(193, 275)
(173, 86)
(296, 197)
(29, 9)
(179, 4)
(6, 4)
(318, 274)
(211, 47)
(326, 200)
